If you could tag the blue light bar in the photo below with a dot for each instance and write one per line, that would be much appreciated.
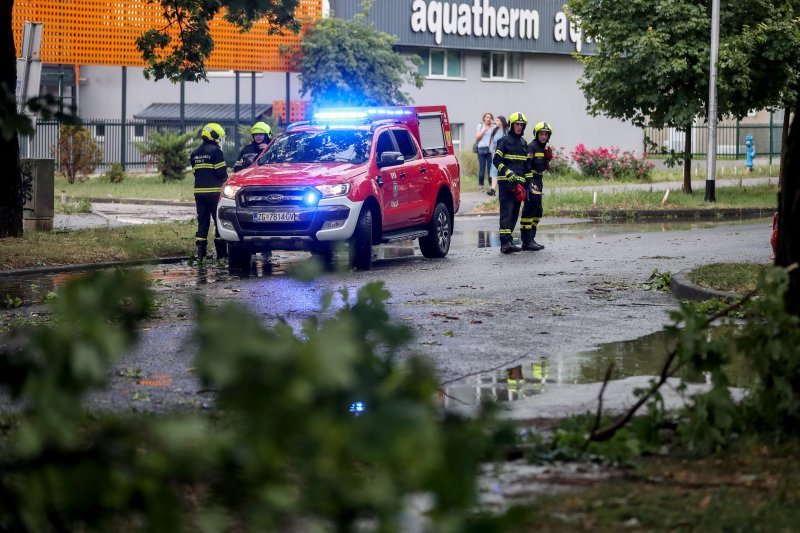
(340, 115)
(351, 114)
(357, 408)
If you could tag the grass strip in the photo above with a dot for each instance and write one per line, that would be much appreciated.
(757, 196)
(149, 187)
(96, 245)
(757, 489)
(733, 277)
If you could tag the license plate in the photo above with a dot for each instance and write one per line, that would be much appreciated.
(274, 216)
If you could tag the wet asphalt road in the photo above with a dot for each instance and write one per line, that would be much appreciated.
(472, 312)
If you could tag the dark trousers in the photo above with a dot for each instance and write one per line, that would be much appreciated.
(509, 210)
(532, 211)
(206, 210)
(484, 164)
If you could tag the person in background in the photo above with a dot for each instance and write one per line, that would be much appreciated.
(262, 136)
(483, 136)
(210, 173)
(499, 131)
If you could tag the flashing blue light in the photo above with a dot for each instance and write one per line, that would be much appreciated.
(311, 198)
(357, 408)
(359, 114)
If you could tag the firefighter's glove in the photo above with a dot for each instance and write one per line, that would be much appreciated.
(519, 193)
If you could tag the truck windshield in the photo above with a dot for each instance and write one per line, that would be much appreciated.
(329, 146)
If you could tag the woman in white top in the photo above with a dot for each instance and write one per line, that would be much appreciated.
(499, 131)
(483, 134)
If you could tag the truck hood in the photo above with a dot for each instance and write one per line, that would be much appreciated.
(297, 174)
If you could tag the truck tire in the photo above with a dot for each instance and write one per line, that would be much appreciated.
(239, 258)
(436, 244)
(361, 242)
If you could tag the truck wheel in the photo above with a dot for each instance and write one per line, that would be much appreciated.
(361, 242)
(437, 243)
(325, 253)
(239, 258)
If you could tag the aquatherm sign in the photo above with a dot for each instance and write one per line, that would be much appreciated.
(504, 25)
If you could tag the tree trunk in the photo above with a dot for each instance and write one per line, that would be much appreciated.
(11, 178)
(788, 249)
(787, 113)
(687, 162)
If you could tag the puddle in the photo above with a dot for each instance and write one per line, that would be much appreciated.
(502, 386)
(639, 357)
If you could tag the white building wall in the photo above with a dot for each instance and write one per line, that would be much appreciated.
(100, 92)
(549, 92)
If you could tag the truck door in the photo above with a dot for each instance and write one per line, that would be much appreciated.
(416, 202)
(393, 187)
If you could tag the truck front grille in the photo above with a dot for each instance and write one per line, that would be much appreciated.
(271, 196)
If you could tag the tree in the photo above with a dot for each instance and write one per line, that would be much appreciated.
(788, 248)
(652, 61)
(11, 180)
(348, 62)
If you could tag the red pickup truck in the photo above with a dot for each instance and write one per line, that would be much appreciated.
(362, 175)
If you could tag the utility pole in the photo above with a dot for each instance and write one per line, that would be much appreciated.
(712, 106)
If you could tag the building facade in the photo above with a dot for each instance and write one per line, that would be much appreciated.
(497, 56)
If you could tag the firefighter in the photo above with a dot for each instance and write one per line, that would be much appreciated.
(513, 171)
(210, 173)
(540, 155)
(262, 135)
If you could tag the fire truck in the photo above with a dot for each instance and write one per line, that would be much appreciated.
(360, 176)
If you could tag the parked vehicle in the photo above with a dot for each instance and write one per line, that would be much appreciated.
(362, 175)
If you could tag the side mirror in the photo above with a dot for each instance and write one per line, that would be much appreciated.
(388, 159)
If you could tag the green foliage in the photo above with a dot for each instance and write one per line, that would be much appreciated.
(74, 205)
(651, 63)
(282, 446)
(183, 57)
(658, 281)
(609, 163)
(559, 165)
(171, 152)
(10, 302)
(349, 63)
(76, 152)
(115, 174)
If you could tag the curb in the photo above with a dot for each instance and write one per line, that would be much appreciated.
(684, 289)
(139, 201)
(91, 266)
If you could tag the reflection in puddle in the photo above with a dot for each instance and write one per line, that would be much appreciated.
(639, 357)
(506, 385)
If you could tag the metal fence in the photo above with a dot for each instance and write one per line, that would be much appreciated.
(730, 140)
(117, 142)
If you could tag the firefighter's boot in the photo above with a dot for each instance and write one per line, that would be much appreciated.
(509, 247)
(222, 248)
(201, 249)
(531, 246)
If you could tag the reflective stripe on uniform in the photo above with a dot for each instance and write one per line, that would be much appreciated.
(221, 164)
(208, 189)
(516, 157)
(505, 232)
(538, 154)
(536, 221)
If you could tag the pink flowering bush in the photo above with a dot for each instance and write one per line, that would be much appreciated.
(559, 165)
(611, 163)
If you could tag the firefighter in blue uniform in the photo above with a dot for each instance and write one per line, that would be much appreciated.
(540, 155)
(262, 135)
(210, 173)
(513, 172)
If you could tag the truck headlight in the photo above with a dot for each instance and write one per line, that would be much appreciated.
(340, 189)
(229, 191)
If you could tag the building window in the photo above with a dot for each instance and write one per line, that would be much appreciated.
(455, 135)
(438, 63)
(501, 66)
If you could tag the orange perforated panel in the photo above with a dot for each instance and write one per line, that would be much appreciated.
(298, 110)
(104, 32)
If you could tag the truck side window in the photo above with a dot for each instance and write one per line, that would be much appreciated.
(384, 144)
(406, 145)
